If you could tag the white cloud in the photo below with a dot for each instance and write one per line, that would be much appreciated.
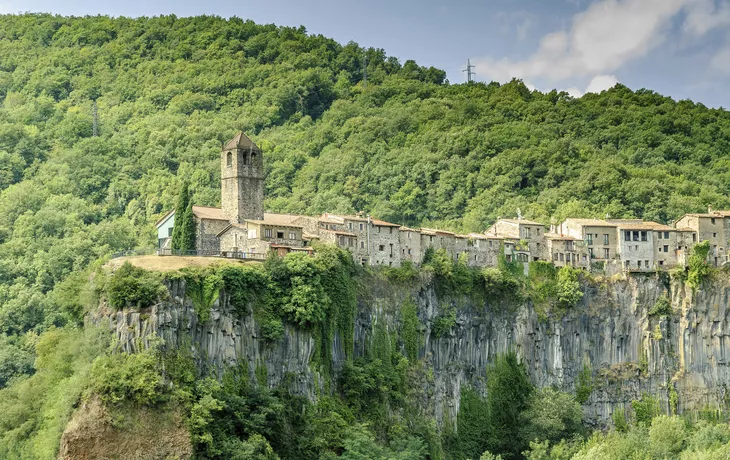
(601, 83)
(602, 38)
(573, 91)
(706, 15)
(721, 60)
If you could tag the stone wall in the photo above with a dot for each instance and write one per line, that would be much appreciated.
(610, 331)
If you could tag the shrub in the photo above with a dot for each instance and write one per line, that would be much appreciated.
(203, 288)
(619, 420)
(131, 286)
(410, 330)
(584, 386)
(662, 307)
(667, 436)
(123, 377)
(443, 323)
(552, 416)
(569, 291)
(699, 270)
(645, 409)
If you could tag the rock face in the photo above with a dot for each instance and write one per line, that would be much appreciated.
(628, 351)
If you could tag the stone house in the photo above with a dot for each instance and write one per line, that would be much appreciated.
(711, 227)
(208, 222)
(480, 250)
(410, 245)
(529, 237)
(637, 244)
(384, 243)
(600, 237)
(438, 239)
(565, 250)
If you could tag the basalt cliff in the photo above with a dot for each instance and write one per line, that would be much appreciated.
(612, 332)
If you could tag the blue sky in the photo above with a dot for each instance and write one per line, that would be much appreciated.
(680, 48)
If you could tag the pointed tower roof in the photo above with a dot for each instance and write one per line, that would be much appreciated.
(240, 141)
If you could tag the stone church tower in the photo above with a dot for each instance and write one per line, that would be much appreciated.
(242, 180)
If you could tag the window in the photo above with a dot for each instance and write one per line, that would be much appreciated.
(267, 233)
(666, 235)
(590, 252)
(292, 235)
(409, 252)
(694, 237)
(378, 229)
(628, 236)
(660, 249)
(627, 264)
(646, 263)
(555, 256)
(605, 239)
(245, 159)
(362, 245)
(569, 246)
(364, 261)
(666, 248)
(643, 236)
(229, 159)
(342, 240)
(659, 235)
(391, 230)
(351, 242)
(584, 258)
(490, 243)
(562, 257)
(169, 231)
(280, 235)
(589, 239)
(525, 232)
(712, 221)
(362, 226)
(636, 236)
(638, 263)
(381, 247)
(409, 235)
(605, 253)
(349, 225)
(714, 235)
(661, 262)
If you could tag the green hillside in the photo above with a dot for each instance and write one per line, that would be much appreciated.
(408, 147)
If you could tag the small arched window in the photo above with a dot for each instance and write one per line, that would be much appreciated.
(253, 158)
(229, 159)
(245, 159)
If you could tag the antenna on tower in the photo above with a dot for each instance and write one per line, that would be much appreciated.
(469, 73)
(95, 116)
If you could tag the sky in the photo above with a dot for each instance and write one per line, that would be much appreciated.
(679, 48)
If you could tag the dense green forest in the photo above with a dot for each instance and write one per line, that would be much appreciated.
(408, 147)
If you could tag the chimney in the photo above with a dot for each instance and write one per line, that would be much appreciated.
(709, 209)
(552, 228)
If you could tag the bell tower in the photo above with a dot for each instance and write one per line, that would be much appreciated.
(242, 180)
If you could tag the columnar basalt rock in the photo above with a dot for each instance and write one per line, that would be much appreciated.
(611, 331)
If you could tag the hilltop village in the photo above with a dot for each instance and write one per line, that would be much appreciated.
(241, 228)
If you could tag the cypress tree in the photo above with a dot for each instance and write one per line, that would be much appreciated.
(183, 232)
(508, 392)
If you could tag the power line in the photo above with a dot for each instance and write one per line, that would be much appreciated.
(469, 73)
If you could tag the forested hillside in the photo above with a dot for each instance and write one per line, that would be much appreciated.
(407, 146)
